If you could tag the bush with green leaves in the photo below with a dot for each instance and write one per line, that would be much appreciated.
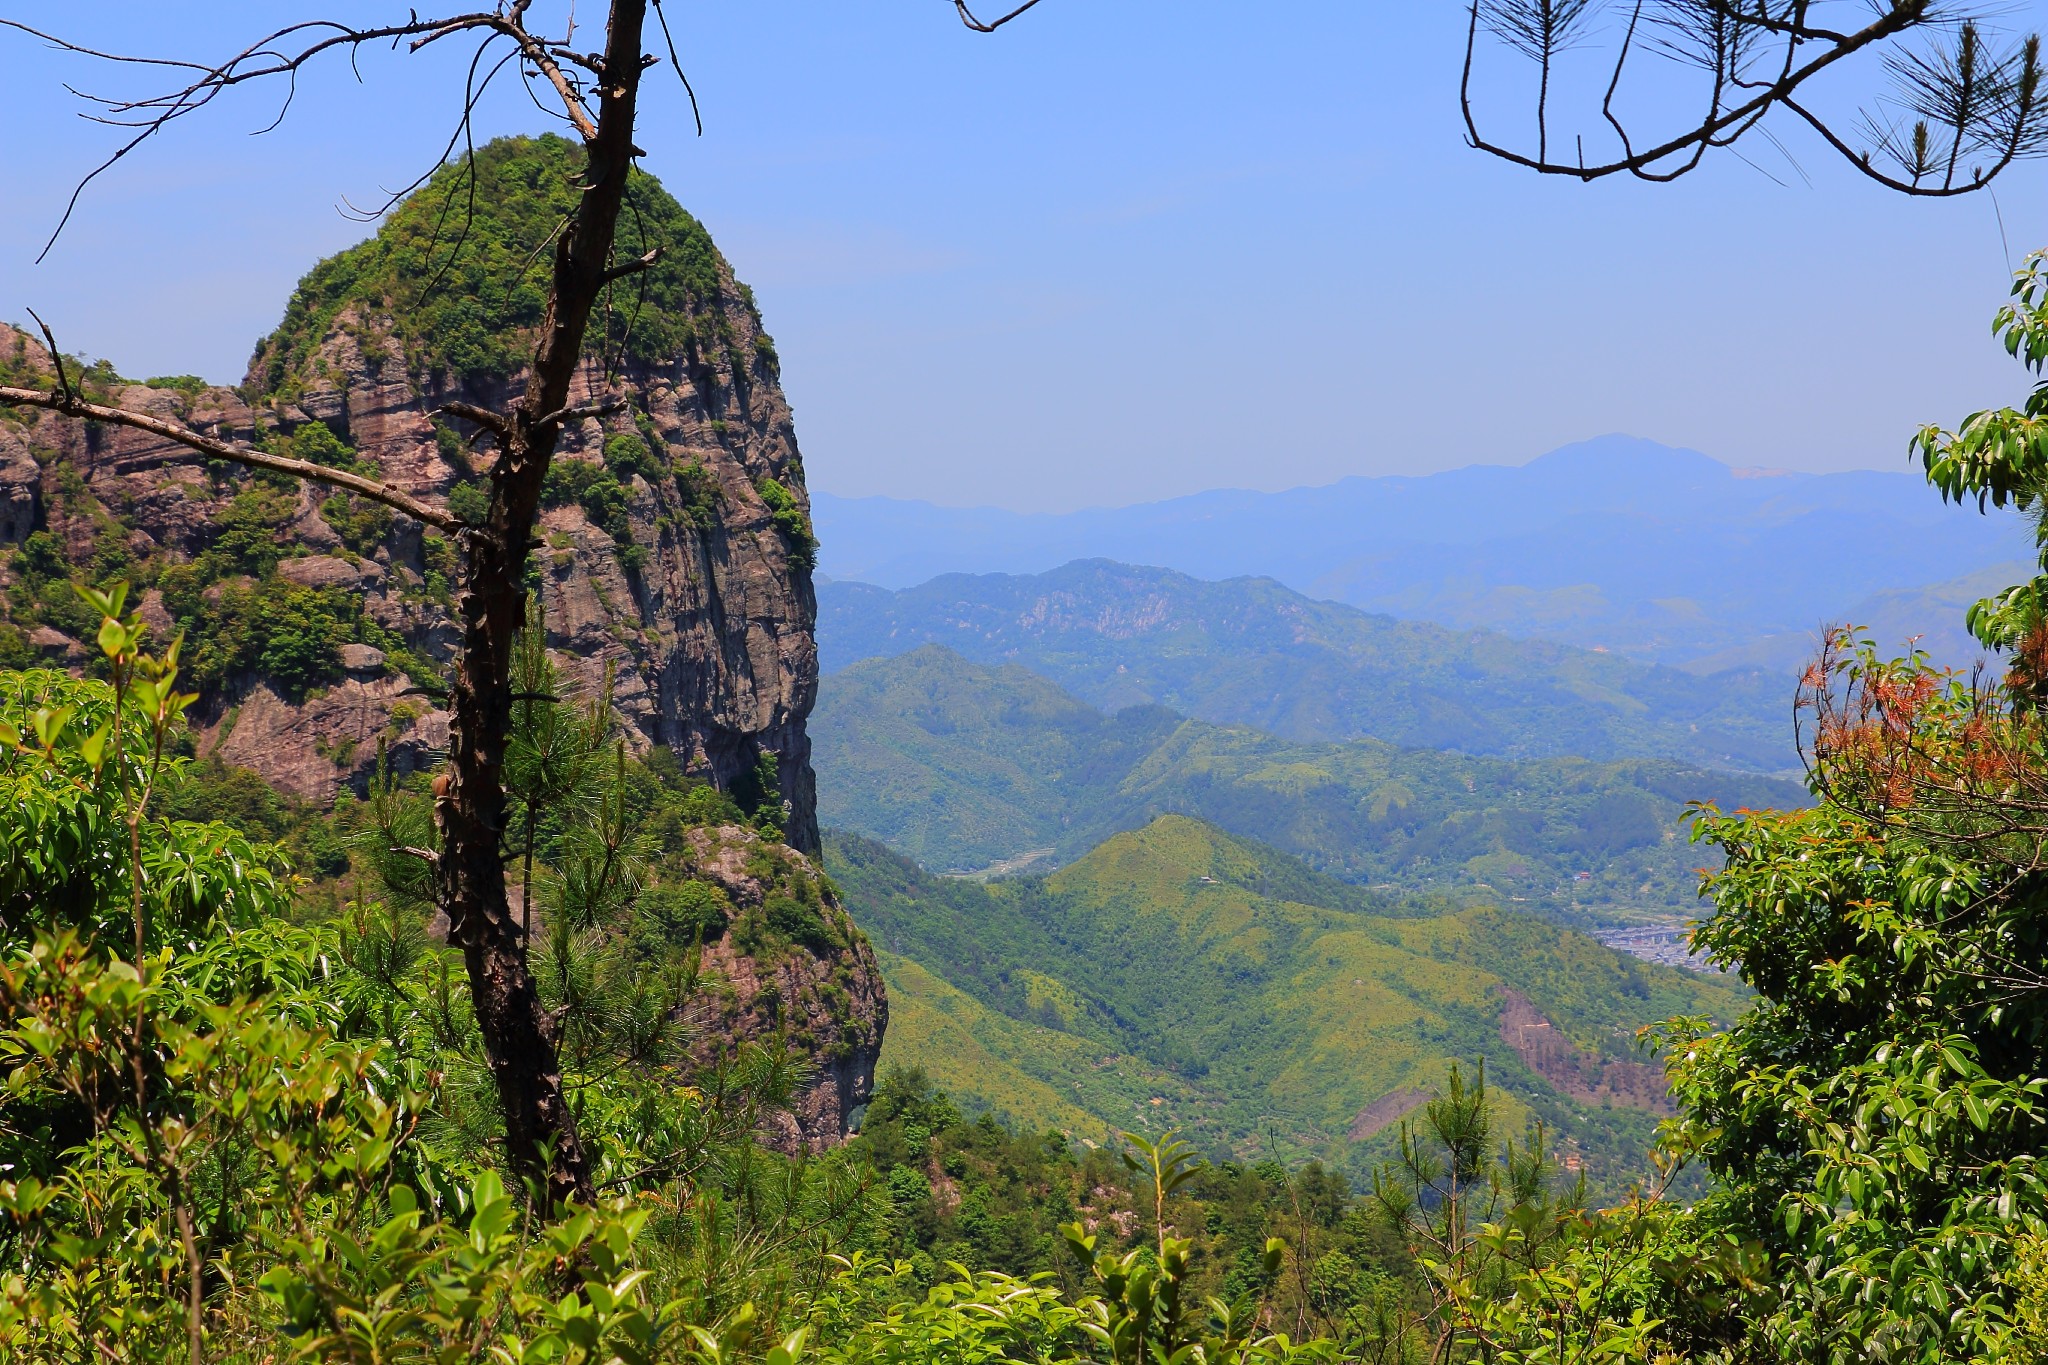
(627, 453)
(250, 534)
(791, 522)
(289, 634)
(362, 525)
(701, 496)
(243, 1140)
(43, 591)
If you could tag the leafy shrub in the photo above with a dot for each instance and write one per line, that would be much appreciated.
(701, 496)
(41, 557)
(316, 443)
(627, 453)
(791, 524)
(362, 525)
(290, 634)
(451, 445)
(684, 913)
(43, 592)
(597, 490)
(791, 919)
(470, 500)
(590, 486)
(15, 651)
(250, 535)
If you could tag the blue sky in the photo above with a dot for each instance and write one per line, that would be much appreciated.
(1122, 250)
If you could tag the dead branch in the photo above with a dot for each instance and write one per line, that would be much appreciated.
(496, 423)
(282, 53)
(512, 24)
(634, 266)
(564, 417)
(63, 400)
(988, 25)
(1760, 56)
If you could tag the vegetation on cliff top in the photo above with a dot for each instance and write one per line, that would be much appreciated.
(462, 268)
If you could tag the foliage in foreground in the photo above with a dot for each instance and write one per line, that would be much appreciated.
(231, 1138)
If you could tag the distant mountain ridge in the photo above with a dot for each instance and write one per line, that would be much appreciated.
(1650, 550)
(966, 767)
(1250, 651)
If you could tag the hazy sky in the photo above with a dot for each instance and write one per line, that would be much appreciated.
(1121, 250)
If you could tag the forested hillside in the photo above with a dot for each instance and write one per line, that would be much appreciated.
(1179, 978)
(967, 767)
(1249, 651)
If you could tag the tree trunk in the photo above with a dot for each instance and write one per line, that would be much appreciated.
(519, 1037)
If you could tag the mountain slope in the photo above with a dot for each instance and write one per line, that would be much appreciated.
(1252, 652)
(1152, 985)
(963, 766)
(316, 625)
(1657, 552)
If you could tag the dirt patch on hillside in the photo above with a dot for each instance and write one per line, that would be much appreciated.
(1386, 1111)
(1580, 1074)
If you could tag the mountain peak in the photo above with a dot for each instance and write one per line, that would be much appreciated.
(1628, 461)
(1178, 857)
(469, 314)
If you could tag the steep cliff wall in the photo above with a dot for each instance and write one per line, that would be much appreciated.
(674, 551)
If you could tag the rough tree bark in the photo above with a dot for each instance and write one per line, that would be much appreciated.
(519, 1036)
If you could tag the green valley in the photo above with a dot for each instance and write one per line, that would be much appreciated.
(1179, 977)
(963, 766)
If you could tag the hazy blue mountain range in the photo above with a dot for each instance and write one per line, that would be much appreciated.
(1250, 651)
(1652, 551)
(1930, 617)
(967, 767)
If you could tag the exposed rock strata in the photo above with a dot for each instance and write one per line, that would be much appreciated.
(710, 636)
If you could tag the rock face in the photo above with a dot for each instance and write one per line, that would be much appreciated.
(827, 1001)
(673, 559)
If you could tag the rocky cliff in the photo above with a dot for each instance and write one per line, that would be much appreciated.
(673, 556)
(677, 549)
(822, 991)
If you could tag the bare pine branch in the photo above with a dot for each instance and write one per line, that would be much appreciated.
(1957, 116)
(968, 18)
(63, 400)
